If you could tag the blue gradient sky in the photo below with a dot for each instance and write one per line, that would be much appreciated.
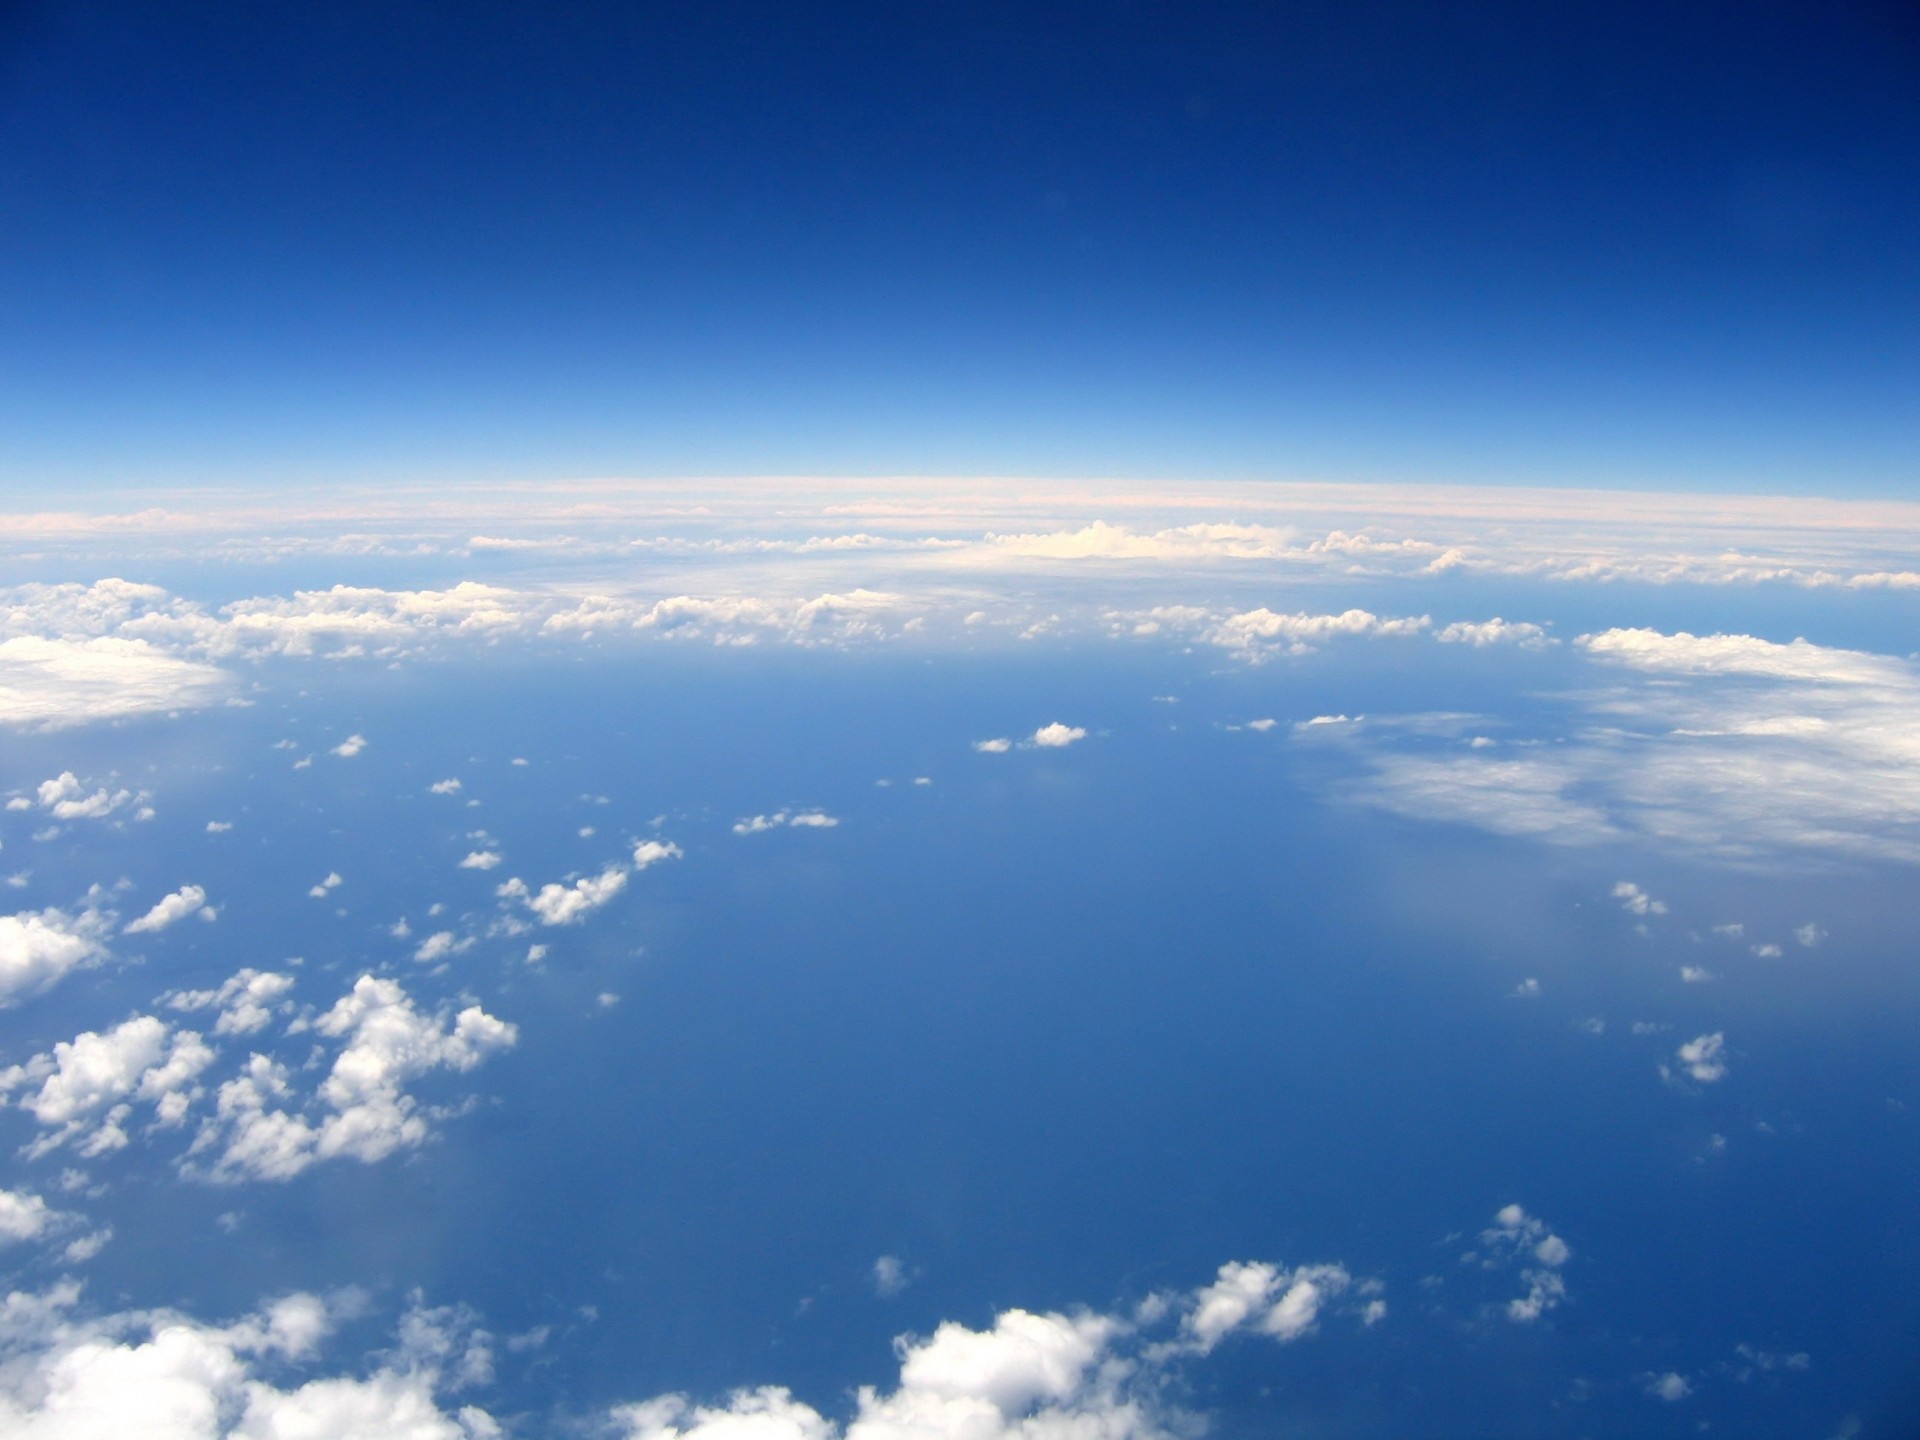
(1646, 245)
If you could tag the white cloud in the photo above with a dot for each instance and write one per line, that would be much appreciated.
(65, 798)
(1524, 1241)
(652, 852)
(1528, 989)
(890, 1276)
(1263, 1298)
(480, 860)
(1670, 1387)
(436, 945)
(559, 904)
(804, 819)
(1057, 736)
(162, 1375)
(998, 746)
(445, 787)
(219, 827)
(1636, 901)
(247, 1001)
(1495, 632)
(25, 1216)
(187, 900)
(350, 747)
(1695, 974)
(1809, 935)
(1703, 1058)
(49, 683)
(262, 1130)
(39, 947)
(332, 882)
(86, 1085)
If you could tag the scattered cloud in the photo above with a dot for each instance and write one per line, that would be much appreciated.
(187, 900)
(350, 747)
(247, 1001)
(480, 860)
(999, 746)
(561, 904)
(805, 819)
(890, 1276)
(1636, 901)
(331, 883)
(39, 947)
(1703, 1058)
(1524, 1242)
(445, 787)
(1056, 736)
(652, 852)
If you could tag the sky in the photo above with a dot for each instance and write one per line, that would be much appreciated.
(1644, 246)
(1124, 722)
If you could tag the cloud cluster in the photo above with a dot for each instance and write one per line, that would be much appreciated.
(1524, 1242)
(263, 1129)
(803, 819)
(84, 1091)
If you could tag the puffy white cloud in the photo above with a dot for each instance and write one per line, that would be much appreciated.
(1670, 1387)
(261, 1130)
(560, 904)
(435, 946)
(332, 882)
(1056, 736)
(350, 747)
(480, 860)
(998, 746)
(890, 1276)
(25, 1216)
(1254, 634)
(1809, 935)
(813, 820)
(1703, 1058)
(247, 1001)
(445, 787)
(652, 852)
(1264, 1298)
(86, 1085)
(65, 798)
(165, 1376)
(39, 947)
(187, 900)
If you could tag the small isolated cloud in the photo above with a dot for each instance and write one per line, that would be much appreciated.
(1695, 974)
(1809, 935)
(1768, 951)
(1528, 989)
(187, 900)
(219, 827)
(997, 746)
(1522, 1240)
(39, 947)
(804, 819)
(480, 860)
(560, 904)
(652, 852)
(1704, 1058)
(445, 787)
(1057, 736)
(437, 945)
(890, 1276)
(350, 747)
(1636, 901)
(1496, 632)
(1266, 1299)
(1670, 1387)
(332, 882)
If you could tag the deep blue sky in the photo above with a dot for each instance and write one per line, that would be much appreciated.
(1662, 244)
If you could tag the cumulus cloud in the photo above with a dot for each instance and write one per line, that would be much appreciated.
(1703, 1058)
(1262, 1298)
(652, 852)
(1495, 632)
(1522, 1241)
(163, 1375)
(480, 860)
(561, 904)
(39, 947)
(1056, 736)
(890, 1276)
(247, 1001)
(25, 1216)
(331, 883)
(263, 1130)
(445, 787)
(84, 1089)
(998, 746)
(350, 747)
(65, 798)
(187, 900)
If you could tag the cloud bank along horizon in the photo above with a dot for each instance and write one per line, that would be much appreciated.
(1000, 961)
